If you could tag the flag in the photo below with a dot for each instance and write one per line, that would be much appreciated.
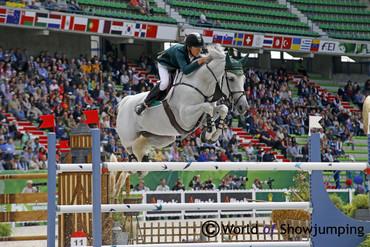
(67, 22)
(296, 44)
(63, 144)
(129, 29)
(207, 36)
(91, 117)
(238, 39)
(278, 42)
(2, 15)
(217, 39)
(41, 19)
(101, 26)
(116, 27)
(248, 39)
(228, 39)
(207, 33)
(48, 121)
(306, 45)
(54, 21)
(287, 43)
(258, 40)
(92, 25)
(151, 31)
(13, 16)
(28, 18)
(140, 30)
(267, 41)
(315, 44)
(107, 25)
(79, 24)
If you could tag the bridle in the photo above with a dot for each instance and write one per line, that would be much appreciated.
(218, 93)
(225, 78)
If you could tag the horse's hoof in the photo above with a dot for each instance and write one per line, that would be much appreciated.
(203, 137)
(141, 174)
(145, 158)
(131, 173)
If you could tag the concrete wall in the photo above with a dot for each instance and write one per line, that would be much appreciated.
(323, 64)
(71, 44)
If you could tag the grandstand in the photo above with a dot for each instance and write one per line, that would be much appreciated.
(94, 49)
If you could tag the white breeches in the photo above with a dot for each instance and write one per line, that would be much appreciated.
(164, 75)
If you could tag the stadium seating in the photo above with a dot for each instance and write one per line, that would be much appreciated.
(123, 10)
(340, 19)
(263, 16)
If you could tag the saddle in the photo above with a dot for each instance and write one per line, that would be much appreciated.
(162, 95)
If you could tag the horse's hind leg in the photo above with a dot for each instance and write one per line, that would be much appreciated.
(221, 112)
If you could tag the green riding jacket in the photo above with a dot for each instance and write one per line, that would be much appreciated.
(177, 57)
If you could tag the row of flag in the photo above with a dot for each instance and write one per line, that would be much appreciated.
(265, 41)
(77, 23)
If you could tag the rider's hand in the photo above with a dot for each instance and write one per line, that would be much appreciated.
(204, 60)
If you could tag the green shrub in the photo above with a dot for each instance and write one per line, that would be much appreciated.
(366, 243)
(361, 201)
(338, 202)
(348, 210)
(5, 230)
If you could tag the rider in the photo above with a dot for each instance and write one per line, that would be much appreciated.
(176, 57)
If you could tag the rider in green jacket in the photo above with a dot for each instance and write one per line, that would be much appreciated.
(176, 57)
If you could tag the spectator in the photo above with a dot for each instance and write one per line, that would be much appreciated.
(141, 186)
(249, 151)
(203, 18)
(204, 156)
(195, 183)
(59, 131)
(23, 165)
(223, 185)
(178, 186)
(15, 107)
(35, 163)
(268, 156)
(163, 186)
(257, 185)
(29, 188)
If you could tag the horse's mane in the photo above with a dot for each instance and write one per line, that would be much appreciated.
(215, 51)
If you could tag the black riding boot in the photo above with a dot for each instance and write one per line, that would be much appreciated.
(154, 94)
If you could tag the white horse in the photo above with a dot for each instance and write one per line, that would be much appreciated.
(192, 102)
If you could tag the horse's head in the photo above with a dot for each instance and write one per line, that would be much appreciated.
(234, 80)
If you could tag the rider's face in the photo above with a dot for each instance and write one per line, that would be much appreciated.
(195, 51)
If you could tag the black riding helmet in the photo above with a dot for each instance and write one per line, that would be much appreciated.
(195, 40)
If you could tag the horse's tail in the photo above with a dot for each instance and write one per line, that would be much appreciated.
(121, 103)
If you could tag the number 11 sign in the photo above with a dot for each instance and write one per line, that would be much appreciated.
(78, 239)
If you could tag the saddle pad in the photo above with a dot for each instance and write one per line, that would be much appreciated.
(155, 103)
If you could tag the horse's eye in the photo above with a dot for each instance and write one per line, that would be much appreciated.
(231, 78)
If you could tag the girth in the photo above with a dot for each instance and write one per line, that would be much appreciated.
(174, 123)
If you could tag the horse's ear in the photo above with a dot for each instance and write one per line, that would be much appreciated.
(229, 64)
(244, 60)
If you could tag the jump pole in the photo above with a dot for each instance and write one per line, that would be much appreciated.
(51, 190)
(215, 166)
(65, 209)
(96, 174)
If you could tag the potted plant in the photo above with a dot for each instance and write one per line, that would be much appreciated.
(366, 242)
(5, 230)
(361, 203)
(299, 193)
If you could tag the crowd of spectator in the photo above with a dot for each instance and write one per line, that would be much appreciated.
(54, 84)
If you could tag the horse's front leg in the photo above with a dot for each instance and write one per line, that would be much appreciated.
(207, 108)
(219, 112)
